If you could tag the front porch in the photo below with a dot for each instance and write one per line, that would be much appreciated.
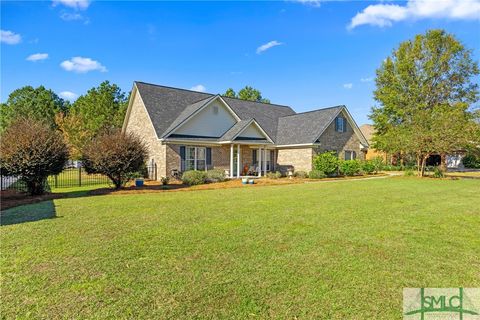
(250, 161)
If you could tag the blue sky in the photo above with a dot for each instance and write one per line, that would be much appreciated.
(315, 53)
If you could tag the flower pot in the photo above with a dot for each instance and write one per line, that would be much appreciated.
(244, 180)
(138, 182)
(251, 181)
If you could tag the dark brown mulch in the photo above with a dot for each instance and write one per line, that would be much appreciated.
(12, 198)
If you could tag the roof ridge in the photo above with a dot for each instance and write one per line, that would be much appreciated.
(316, 110)
(169, 87)
(269, 104)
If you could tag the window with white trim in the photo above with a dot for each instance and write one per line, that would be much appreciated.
(350, 155)
(195, 158)
(340, 124)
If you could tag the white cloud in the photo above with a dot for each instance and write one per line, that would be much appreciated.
(71, 16)
(9, 37)
(348, 86)
(68, 95)
(384, 15)
(75, 4)
(82, 65)
(266, 46)
(199, 88)
(37, 57)
(314, 3)
(369, 79)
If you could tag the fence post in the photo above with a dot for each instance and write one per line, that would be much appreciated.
(56, 180)
(155, 172)
(80, 176)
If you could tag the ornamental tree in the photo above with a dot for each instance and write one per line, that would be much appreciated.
(115, 154)
(32, 150)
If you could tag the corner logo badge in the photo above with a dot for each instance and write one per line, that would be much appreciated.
(441, 303)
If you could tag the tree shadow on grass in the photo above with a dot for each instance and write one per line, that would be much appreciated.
(28, 213)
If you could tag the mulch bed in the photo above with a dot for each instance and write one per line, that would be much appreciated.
(12, 198)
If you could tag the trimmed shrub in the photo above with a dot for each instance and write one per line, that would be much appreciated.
(215, 175)
(116, 155)
(350, 167)
(301, 174)
(274, 175)
(164, 180)
(326, 162)
(193, 177)
(316, 174)
(368, 167)
(32, 150)
(409, 173)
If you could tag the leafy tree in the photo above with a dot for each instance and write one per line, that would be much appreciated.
(230, 93)
(425, 90)
(32, 150)
(247, 93)
(33, 103)
(116, 155)
(101, 108)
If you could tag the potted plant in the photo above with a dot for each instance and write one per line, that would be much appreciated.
(139, 181)
(244, 180)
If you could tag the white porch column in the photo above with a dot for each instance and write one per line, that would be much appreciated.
(265, 161)
(238, 161)
(259, 162)
(231, 161)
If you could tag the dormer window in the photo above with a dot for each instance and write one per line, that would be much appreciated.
(340, 124)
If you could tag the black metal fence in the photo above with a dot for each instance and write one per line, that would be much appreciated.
(70, 177)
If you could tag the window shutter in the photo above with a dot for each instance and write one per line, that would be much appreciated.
(209, 157)
(354, 155)
(182, 158)
(336, 124)
(344, 124)
(254, 156)
(272, 160)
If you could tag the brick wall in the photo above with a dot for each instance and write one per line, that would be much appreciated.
(300, 159)
(139, 123)
(340, 141)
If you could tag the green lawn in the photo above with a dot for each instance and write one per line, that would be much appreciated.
(340, 250)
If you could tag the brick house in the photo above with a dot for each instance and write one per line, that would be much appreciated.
(189, 130)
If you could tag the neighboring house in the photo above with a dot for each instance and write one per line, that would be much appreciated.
(189, 130)
(367, 131)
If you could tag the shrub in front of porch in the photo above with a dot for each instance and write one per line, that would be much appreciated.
(215, 175)
(193, 177)
(317, 174)
(274, 175)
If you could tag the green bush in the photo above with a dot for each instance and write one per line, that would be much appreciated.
(301, 174)
(274, 175)
(316, 174)
(368, 167)
(165, 180)
(194, 177)
(326, 162)
(378, 163)
(471, 161)
(215, 175)
(409, 173)
(438, 173)
(350, 167)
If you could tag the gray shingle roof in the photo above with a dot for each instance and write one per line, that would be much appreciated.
(236, 129)
(168, 107)
(304, 127)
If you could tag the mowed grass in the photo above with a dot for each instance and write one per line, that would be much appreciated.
(342, 250)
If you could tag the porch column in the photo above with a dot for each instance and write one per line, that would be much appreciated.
(265, 161)
(259, 162)
(238, 161)
(231, 161)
